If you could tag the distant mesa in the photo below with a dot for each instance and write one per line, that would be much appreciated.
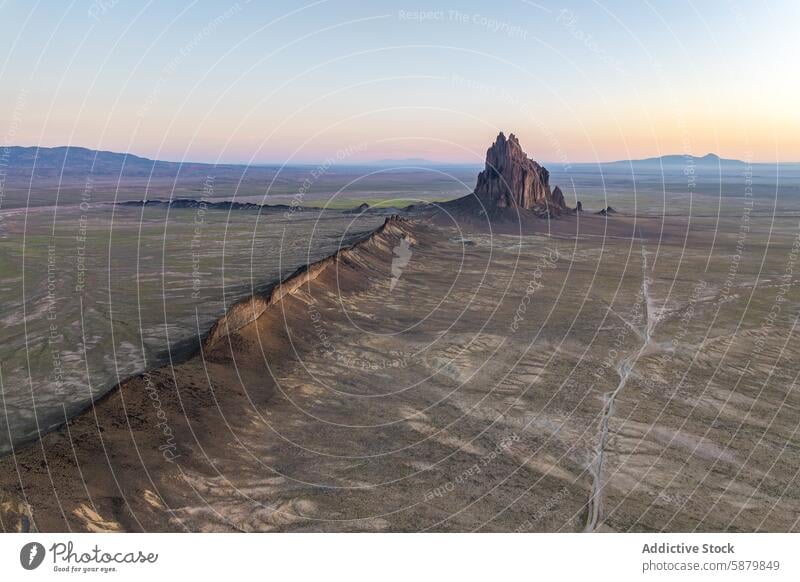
(671, 162)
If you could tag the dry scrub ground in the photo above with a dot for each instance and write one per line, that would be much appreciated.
(437, 379)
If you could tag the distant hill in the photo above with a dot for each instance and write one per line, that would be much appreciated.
(33, 176)
(77, 161)
(72, 162)
(708, 168)
(680, 160)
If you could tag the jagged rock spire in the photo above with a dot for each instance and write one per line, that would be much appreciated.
(511, 179)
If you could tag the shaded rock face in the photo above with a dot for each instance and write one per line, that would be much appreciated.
(361, 208)
(511, 179)
(606, 211)
(558, 198)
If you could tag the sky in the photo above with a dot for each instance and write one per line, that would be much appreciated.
(304, 82)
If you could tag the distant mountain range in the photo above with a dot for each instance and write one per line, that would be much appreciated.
(78, 161)
(31, 176)
(68, 161)
(670, 161)
(72, 162)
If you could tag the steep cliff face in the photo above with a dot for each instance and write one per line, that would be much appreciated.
(510, 182)
(511, 179)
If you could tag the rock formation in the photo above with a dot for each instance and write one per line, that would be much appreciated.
(360, 209)
(511, 179)
(558, 198)
(510, 182)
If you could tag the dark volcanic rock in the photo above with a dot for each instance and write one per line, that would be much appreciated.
(558, 198)
(205, 205)
(511, 179)
(358, 209)
(579, 207)
(511, 188)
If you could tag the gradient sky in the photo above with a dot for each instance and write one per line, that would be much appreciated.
(302, 82)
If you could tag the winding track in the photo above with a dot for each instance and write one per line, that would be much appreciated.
(624, 369)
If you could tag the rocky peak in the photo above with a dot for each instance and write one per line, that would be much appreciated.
(558, 198)
(511, 179)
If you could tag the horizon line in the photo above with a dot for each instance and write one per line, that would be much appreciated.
(389, 161)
